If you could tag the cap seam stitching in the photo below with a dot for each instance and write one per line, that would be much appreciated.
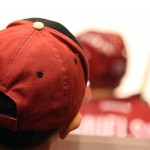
(80, 50)
(64, 72)
(8, 74)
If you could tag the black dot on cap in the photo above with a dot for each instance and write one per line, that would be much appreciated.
(40, 74)
(75, 61)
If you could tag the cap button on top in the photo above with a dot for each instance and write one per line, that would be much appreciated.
(38, 25)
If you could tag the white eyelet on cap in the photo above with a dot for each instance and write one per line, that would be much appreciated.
(38, 25)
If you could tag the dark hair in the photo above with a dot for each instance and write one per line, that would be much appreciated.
(19, 139)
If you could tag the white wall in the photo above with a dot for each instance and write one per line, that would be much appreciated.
(131, 18)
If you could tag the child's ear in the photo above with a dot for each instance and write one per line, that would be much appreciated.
(68, 127)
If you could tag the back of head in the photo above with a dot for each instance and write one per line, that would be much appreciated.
(106, 53)
(43, 75)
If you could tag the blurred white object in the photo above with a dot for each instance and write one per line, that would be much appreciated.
(137, 77)
(145, 90)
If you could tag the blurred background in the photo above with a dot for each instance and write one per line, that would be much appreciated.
(116, 36)
(130, 19)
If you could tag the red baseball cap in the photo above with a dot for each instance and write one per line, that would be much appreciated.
(44, 71)
(106, 54)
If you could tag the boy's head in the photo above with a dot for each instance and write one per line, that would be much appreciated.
(106, 53)
(43, 76)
